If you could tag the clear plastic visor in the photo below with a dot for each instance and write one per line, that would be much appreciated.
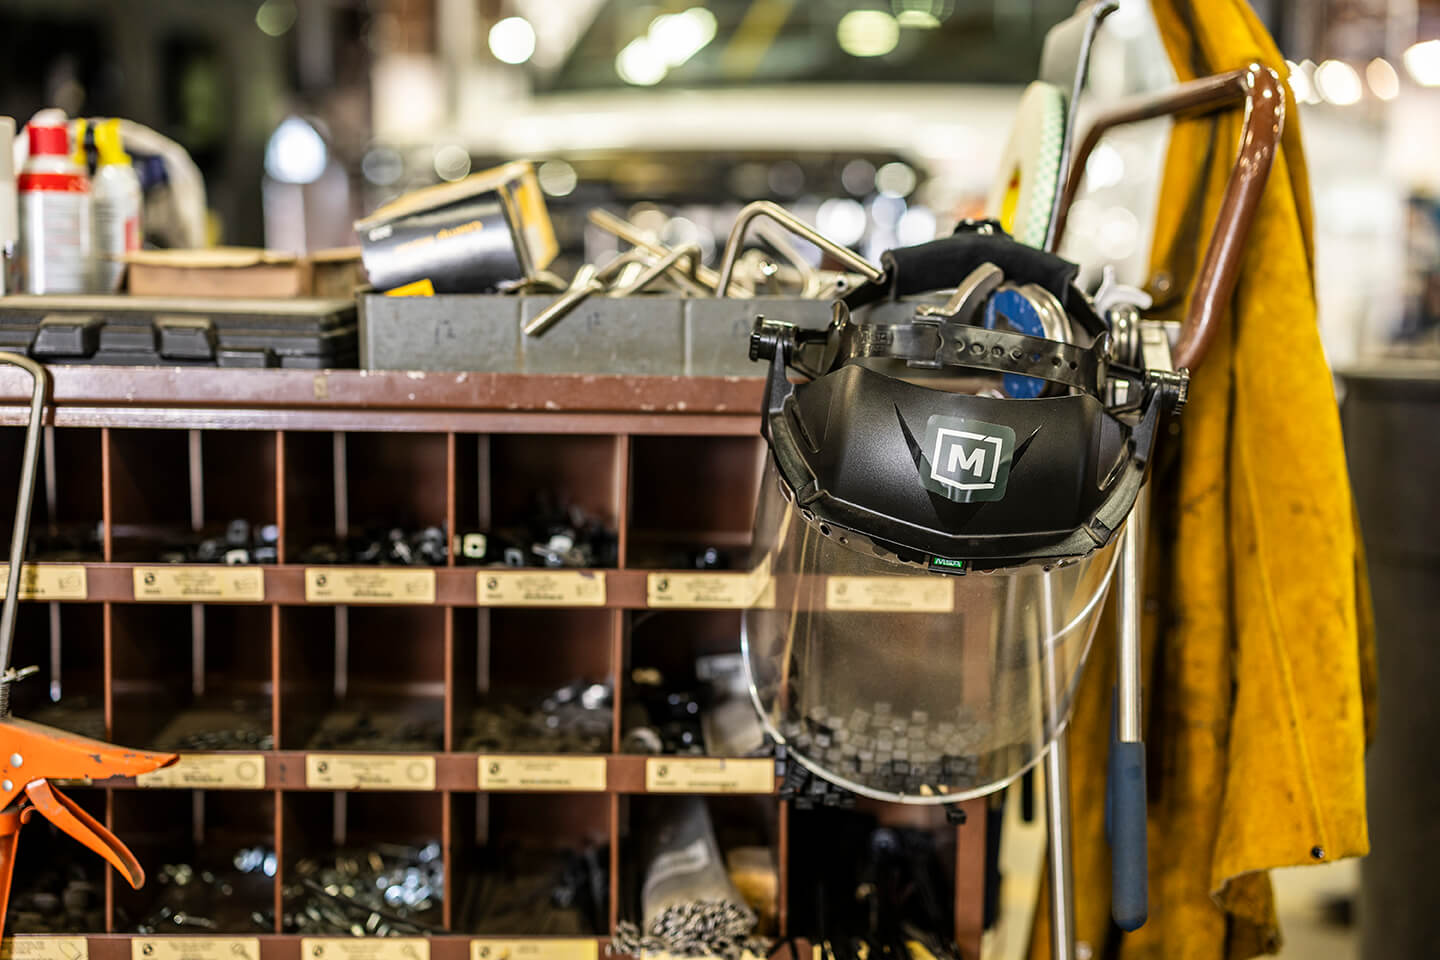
(905, 685)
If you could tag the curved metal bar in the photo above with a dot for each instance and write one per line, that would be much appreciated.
(633, 235)
(690, 252)
(29, 466)
(1258, 88)
(777, 238)
(766, 208)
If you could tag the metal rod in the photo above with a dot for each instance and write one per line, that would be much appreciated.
(1129, 719)
(636, 237)
(765, 208)
(689, 252)
(1259, 89)
(1098, 13)
(777, 238)
(24, 499)
(1057, 783)
(585, 283)
(1057, 821)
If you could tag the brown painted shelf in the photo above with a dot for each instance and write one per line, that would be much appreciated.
(388, 400)
(101, 582)
(460, 772)
(143, 461)
(118, 946)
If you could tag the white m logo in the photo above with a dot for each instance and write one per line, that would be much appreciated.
(959, 452)
(974, 461)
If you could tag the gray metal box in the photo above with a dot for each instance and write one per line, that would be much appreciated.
(660, 335)
(454, 332)
(643, 335)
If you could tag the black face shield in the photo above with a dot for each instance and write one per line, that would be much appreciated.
(940, 550)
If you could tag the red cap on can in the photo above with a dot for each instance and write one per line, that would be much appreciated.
(49, 141)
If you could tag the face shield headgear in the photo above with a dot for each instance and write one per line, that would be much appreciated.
(940, 551)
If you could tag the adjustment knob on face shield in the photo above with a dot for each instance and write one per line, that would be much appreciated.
(767, 336)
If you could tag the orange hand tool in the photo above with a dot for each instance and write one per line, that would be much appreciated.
(31, 754)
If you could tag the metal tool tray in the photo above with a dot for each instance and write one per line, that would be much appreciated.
(653, 334)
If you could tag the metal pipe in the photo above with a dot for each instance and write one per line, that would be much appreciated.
(1129, 710)
(1259, 89)
(785, 218)
(1082, 68)
(24, 499)
(1259, 141)
(1057, 784)
(1062, 875)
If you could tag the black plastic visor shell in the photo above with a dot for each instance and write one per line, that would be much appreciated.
(850, 448)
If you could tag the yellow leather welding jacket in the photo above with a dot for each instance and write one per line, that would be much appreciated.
(1259, 652)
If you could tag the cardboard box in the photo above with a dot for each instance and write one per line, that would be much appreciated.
(243, 272)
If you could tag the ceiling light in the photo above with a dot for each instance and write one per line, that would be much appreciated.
(640, 63)
(512, 40)
(867, 33)
(1338, 82)
(1384, 81)
(1423, 62)
(679, 36)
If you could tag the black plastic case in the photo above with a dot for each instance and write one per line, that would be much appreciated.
(308, 334)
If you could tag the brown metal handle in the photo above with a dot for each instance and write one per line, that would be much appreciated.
(1258, 89)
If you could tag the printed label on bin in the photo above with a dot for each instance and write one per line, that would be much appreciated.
(203, 584)
(44, 948)
(48, 581)
(540, 588)
(361, 771)
(540, 948)
(711, 775)
(209, 771)
(891, 594)
(195, 948)
(536, 772)
(351, 585)
(753, 589)
(364, 948)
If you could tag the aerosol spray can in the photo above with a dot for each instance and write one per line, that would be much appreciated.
(9, 214)
(56, 237)
(116, 189)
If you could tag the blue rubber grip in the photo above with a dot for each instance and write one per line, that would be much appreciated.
(1129, 852)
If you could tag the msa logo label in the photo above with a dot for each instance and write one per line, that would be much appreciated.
(966, 460)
